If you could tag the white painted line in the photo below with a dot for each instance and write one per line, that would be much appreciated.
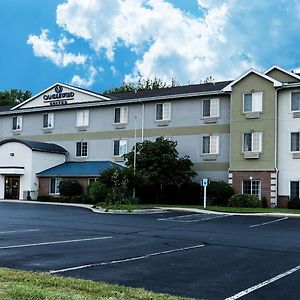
(262, 284)
(57, 242)
(179, 218)
(125, 259)
(270, 222)
(19, 231)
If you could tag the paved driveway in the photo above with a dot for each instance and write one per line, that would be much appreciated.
(198, 255)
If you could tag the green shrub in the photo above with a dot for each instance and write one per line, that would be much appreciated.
(97, 192)
(264, 202)
(191, 193)
(46, 198)
(244, 200)
(70, 188)
(219, 192)
(294, 203)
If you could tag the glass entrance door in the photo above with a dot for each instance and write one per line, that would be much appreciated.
(12, 187)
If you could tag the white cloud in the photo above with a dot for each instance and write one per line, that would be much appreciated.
(85, 82)
(54, 51)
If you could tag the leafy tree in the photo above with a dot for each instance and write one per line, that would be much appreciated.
(13, 96)
(158, 163)
(142, 84)
(70, 188)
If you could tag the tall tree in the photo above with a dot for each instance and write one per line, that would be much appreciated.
(13, 96)
(142, 84)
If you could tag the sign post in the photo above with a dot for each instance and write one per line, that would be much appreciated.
(204, 184)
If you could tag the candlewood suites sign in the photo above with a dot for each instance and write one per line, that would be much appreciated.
(59, 97)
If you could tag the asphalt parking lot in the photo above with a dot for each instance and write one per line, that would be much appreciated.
(205, 256)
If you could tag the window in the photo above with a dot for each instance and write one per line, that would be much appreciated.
(163, 112)
(294, 189)
(82, 118)
(17, 123)
(252, 142)
(92, 180)
(81, 149)
(54, 186)
(210, 145)
(295, 101)
(252, 187)
(120, 147)
(253, 102)
(210, 108)
(121, 115)
(295, 141)
(48, 121)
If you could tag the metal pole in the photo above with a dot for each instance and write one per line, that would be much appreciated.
(204, 200)
(134, 152)
(143, 116)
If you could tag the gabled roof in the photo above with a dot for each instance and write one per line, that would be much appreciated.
(101, 97)
(276, 83)
(170, 91)
(79, 169)
(296, 76)
(37, 146)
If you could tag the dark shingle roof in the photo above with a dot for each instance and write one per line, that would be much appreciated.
(185, 89)
(38, 146)
(6, 107)
(79, 169)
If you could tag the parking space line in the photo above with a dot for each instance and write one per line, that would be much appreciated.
(125, 259)
(270, 222)
(56, 242)
(179, 219)
(19, 231)
(264, 283)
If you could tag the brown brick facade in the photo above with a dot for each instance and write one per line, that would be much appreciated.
(264, 176)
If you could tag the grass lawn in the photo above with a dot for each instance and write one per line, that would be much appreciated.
(21, 285)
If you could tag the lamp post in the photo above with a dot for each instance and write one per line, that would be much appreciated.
(143, 119)
(134, 152)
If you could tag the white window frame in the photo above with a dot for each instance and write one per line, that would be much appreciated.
(253, 136)
(214, 142)
(119, 147)
(57, 182)
(83, 118)
(19, 123)
(255, 102)
(251, 187)
(50, 117)
(291, 102)
(290, 191)
(166, 107)
(214, 108)
(82, 143)
(294, 151)
(123, 115)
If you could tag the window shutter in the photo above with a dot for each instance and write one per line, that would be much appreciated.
(256, 141)
(214, 108)
(214, 144)
(257, 102)
(167, 111)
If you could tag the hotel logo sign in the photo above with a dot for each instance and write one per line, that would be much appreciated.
(59, 97)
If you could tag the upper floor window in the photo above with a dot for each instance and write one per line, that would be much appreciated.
(253, 102)
(210, 145)
(120, 147)
(121, 115)
(210, 108)
(82, 118)
(295, 101)
(252, 142)
(295, 141)
(163, 112)
(48, 120)
(81, 149)
(17, 123)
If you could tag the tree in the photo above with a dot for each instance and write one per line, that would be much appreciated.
(13, 96)
(142, 84)
(159, 164)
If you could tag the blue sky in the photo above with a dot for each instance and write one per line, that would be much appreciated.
(97, 44)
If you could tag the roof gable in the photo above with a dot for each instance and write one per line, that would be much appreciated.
(287, 75)
(275, 82)
(60, 94)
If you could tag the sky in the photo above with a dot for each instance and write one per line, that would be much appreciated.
(98, 44)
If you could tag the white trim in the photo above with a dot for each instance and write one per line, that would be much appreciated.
(275, 82)
(282, 70)
(65, 86)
